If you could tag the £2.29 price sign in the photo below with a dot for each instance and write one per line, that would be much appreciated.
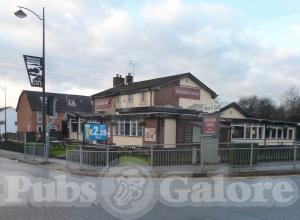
(95, 132)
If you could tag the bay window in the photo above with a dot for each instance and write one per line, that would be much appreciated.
(128, 128)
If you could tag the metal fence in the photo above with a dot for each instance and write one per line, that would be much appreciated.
(181, 155)
(33, 152)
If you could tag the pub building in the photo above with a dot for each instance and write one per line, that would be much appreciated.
(163, 111)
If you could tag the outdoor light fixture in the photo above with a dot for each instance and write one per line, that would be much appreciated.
(20, 14)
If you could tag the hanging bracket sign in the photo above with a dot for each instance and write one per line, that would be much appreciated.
(34, 67)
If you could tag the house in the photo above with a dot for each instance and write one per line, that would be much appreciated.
(11, 120)
(155, 111)
(168, 110)
(29, 110)
(238, 127)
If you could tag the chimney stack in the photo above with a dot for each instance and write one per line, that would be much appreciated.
(118, 80)
(129, 79)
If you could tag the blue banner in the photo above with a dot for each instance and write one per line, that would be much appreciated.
(95, 132)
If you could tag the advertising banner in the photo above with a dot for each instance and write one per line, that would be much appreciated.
(95, 132)
(34, 67)
(102, 103)
(186, 92)
(210, 125)
(150, 134)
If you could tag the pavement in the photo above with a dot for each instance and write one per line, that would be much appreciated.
(160, 209)
(276, 168)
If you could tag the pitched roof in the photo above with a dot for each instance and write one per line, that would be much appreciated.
(81, 103)
(237, 107)
(156, 83)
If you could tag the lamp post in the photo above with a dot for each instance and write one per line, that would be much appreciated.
(21, 14)
(5, 123)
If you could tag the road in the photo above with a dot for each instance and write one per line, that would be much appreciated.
(159, 211)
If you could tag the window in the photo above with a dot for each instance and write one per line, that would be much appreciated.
(118, 101)
(133, 129)
(248, 131)
(290, 133)
(144, 98)
(53, 129)
(254, 132)
(285, 133)
(140, 130)
(128, 128)
(39, 129)
(74, 127)
(130, 98)
(268, 132)
(41, 98)
(260, 132)
(71, 102)
(39, 116)
(279, 133)
(273, 133)
(122, 128)
(238, 131)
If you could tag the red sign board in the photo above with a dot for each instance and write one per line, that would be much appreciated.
(210, 125)
(186, 92)
(102, 103)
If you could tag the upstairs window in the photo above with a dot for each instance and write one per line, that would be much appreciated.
(39, 116)
(144, 98)
(118, 101)
(130, 98)
(71, 102)
(41, 98)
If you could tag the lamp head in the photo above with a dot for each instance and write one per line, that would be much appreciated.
(20, 14)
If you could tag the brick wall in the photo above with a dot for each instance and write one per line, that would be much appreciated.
(27, 119)
(25, 116)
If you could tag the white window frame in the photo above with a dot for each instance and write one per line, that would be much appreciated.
(39, 116)
(130, 99)
(117, 128)
(39, 126)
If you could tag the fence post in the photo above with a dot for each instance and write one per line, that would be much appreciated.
(25, 142)
(34, 152)
(194, 156)
(251, 155)
(66, 155)
(202, 154)
(151, 156)
(295, 154)
(107, 156)
(80, 156)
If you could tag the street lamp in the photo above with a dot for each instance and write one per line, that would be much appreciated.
(5, 124)
(21, 14)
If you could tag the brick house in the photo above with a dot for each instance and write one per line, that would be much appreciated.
(155, 111)
(29, 110)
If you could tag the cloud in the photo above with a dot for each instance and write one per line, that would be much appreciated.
(88, 42)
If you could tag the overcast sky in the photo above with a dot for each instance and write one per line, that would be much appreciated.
(235, 47)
